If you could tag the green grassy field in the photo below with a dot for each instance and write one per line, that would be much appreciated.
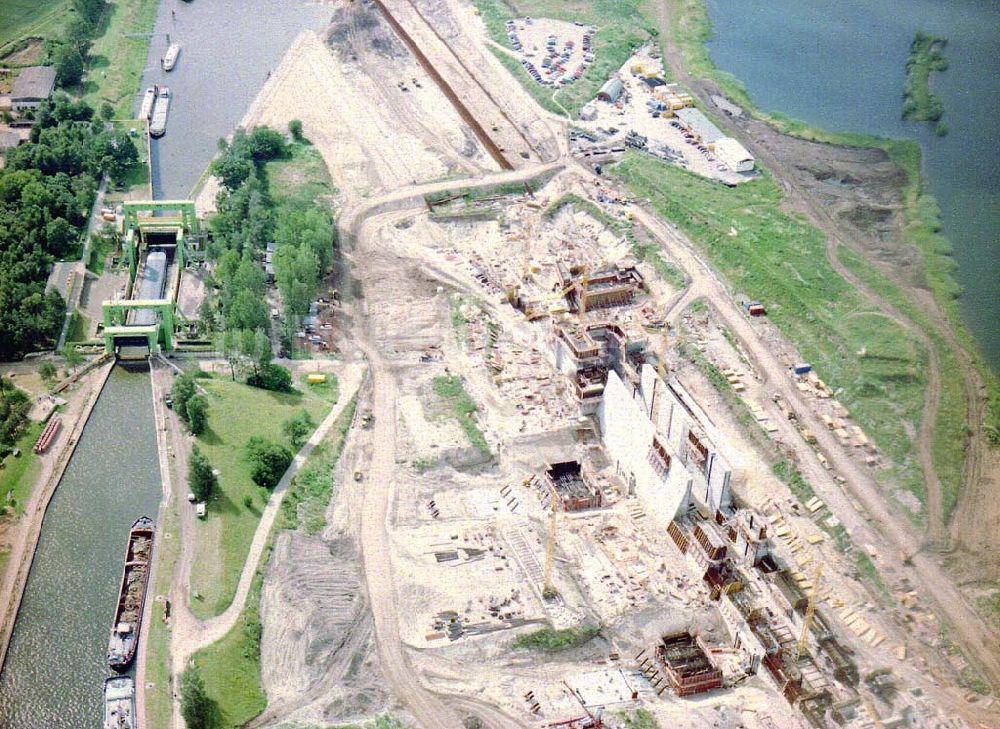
(621, 28)
(159, 703)
(550, 639)
(117, 61)
(309, 495)
(18, 474)
(236, 413)
(451, 390)
(303, 175)
(31, 18)
(780, 259)
(230, 667)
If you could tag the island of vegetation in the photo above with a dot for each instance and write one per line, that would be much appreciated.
(919, 102)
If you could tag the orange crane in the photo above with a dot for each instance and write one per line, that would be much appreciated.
(550, 545)
(807, 621)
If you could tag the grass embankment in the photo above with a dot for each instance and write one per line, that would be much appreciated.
(231, 666)
(780, 259)
(452, 391)
(118, 55)
(31, 19)
(950, 429)
(550, 639)
(690, 30)
(18, 474)
(236, 413)
(621, 28)
(309, 495)
(919, 102)
(159, 701)
(300, 176)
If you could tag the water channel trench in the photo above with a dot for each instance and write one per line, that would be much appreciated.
(56, 664)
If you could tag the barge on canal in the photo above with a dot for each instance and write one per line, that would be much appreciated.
(119, 703)
(158, 124)
(132, 595)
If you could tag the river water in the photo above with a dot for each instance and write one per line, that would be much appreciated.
(227, 49)
(56, 663)
(841, 66)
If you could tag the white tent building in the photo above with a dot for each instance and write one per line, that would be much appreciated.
(734, 155)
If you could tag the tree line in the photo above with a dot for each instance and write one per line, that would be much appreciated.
(47, 188)
(248, 219)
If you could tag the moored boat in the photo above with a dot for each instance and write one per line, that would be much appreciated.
(158, 124)
(146, 107)
(119, 703)
(131, 595)
(170, 57)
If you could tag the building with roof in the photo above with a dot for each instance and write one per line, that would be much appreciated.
(33, 86)
(734, 155)
(611, 91)
(699, 125)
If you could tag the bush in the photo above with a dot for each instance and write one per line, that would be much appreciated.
(268, 461)
(298, 428)
(265, 143)
(550, 639)
(295, 129)
(272, 377)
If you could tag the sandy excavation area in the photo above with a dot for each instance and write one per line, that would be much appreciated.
(373, 113)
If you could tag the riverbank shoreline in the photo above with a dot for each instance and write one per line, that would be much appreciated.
(961, 413)
(23, 553)
(941, 320)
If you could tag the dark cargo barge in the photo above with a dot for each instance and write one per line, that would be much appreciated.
(131, 595)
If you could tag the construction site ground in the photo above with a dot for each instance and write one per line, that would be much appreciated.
(630, 114)
(433, 563)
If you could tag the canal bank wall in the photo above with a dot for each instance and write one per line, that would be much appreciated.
(20, 566)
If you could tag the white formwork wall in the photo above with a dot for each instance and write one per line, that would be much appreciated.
(628, 435)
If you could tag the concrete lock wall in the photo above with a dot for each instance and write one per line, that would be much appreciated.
(628, 435)
(711, 487)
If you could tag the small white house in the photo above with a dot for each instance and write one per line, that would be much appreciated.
(734, 155)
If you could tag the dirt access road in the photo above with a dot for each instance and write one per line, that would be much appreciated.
(977, 638)
(973, 524)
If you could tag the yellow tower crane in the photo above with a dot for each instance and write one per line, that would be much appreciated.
(550, 545)
(661, 370)
(810, 612)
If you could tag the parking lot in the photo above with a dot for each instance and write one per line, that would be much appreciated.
(554, 52)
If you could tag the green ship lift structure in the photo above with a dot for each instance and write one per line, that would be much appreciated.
(165, 223)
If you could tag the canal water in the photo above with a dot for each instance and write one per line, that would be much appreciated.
(227, 49)
(841, 66)
(56, 664)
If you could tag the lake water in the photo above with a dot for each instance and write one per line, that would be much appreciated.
(841, 66)
(227, 49)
